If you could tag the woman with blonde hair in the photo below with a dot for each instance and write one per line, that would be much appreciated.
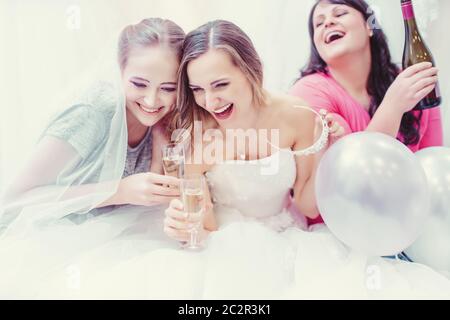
(100, 154)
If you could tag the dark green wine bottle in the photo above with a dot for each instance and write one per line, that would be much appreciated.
(416, 51)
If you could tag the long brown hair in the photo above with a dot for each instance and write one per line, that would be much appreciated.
(219, 35)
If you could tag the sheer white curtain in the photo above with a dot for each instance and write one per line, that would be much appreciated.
(48, 47)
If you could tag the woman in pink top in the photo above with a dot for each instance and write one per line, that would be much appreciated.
(350, 74)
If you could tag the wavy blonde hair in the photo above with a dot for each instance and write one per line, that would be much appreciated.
(150, 32)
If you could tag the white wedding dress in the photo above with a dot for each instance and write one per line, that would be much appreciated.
(261, 251)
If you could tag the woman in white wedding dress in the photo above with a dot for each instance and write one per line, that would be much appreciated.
(260, 252)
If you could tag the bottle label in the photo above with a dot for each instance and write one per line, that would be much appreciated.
(408, 10)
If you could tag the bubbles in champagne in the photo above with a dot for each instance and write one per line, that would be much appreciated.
(193, 200)
(172, 165)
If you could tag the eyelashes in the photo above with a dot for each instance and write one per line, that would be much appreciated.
(138, 85)
(220, 85)
(337, 15)
(169, 89)
(141, 86)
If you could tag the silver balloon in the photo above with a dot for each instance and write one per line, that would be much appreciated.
(372, 193)
(433, 246)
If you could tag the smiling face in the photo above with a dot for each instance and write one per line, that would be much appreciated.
(149, 81)
(339, 31)
(221, 88)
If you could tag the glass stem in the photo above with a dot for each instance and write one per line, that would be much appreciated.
(194, 234)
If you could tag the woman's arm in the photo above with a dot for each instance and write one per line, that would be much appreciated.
(304, 137)
(51, 157)
(38, 182)
(387, 120)
(410, 86)
(304, 188)
(307, 132)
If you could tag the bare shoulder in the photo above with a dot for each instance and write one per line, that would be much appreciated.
(293, 111)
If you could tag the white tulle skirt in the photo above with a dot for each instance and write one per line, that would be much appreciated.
(125, 255)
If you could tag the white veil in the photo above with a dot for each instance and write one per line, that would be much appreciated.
(57, 180)
(52, 218)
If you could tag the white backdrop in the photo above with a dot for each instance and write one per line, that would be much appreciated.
(49, 46)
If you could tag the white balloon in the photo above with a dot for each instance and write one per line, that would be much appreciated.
(433, 246)
(372, 193)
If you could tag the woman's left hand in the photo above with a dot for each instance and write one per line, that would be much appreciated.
(336, 130)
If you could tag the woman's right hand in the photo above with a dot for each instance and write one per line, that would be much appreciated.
(147, 189)
(178, 224)
(411, 86)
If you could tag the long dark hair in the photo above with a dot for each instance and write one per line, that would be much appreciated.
(382, 72)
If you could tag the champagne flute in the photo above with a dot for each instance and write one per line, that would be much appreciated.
(173, 159)
(192, 189)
